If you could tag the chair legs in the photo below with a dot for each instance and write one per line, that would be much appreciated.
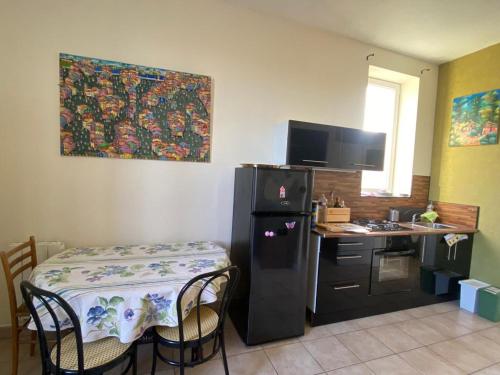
(224, 356)
(155, 355)
(32, 343)
(14, 363)
(134, 364)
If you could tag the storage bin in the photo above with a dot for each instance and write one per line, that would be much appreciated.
(468, 294)
(447, 282)
(489, 303)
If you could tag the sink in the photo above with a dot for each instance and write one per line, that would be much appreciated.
(432, 225)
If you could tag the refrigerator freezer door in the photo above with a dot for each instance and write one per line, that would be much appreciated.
(282, 190)
(278, 283)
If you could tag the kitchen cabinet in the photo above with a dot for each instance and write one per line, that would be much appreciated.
(456, 259)
(324, 146)
(361, 150)
(354, 277)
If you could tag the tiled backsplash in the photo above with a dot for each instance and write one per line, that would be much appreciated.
(348, 186)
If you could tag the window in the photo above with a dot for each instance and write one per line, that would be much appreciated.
(391, 108)
(381, 110)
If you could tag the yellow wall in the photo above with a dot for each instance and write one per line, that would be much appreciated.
(470, 175)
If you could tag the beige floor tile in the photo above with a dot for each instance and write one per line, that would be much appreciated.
(293, 359)
(468, 320)
(274, 344)
(482, 345)
(314, 333)
(28, 366)
(243, 364)
(375, 321)
(208, 368)
(250, 363)
(364, 345)
(399, 316)
(493, 370)
(234, 343)
(145, 359)
(330, 353)
(394, 338)
(446, 326)
(443, 307)
(359, 369)
(429, 363)
(391, 365)
(343, 327)
(420, 312)
(460, 355)
(492, 333)
(421, 332)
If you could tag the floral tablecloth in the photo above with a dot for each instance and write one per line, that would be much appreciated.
(123, 290)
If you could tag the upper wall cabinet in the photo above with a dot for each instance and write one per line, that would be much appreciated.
(335, 147)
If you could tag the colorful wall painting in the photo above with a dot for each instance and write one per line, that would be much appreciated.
(475, 119)
(117, 110)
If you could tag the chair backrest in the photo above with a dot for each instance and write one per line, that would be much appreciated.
(23, 260)
(51, 302)
(230, 275)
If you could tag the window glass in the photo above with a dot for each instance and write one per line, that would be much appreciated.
(381, 110)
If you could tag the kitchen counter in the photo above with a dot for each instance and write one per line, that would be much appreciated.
(412, 230)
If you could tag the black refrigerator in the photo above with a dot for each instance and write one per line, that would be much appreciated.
(271, 224)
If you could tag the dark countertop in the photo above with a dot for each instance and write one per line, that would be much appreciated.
(412, 230)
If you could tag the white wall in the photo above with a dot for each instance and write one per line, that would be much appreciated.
(265, 70)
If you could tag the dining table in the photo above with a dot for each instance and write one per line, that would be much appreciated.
(121, 291)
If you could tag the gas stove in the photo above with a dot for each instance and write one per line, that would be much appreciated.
(379, 225)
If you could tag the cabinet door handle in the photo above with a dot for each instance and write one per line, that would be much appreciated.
(315, 161)
(364, 165)
(351, 243)
(346, 287)
(350, 257)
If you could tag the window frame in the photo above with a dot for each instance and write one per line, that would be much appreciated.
(392, 164)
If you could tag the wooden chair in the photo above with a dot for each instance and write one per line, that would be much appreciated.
(70, 355)
(202, 325)
(19, 314)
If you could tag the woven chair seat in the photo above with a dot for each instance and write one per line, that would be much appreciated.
(95, 353)
(208, 321)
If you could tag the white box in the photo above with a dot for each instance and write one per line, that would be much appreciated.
(468, 294)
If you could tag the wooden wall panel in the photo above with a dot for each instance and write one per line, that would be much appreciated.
(348, 186)
(454, 213)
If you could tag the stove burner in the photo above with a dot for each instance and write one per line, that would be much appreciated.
(379, 225)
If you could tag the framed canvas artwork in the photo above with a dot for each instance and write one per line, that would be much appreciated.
(475, 119)
(117, 110)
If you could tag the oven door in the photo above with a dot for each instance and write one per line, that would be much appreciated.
(394, 271)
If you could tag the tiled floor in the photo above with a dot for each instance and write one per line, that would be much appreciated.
(438, 339)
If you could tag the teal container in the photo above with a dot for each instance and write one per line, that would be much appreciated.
(489, 303)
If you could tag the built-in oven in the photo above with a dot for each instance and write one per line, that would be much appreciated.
(396, 267)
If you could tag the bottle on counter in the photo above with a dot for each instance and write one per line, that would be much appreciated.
(323, 202)
(337, 203)
(314, 213)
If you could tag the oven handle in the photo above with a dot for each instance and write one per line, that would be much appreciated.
(395, 253)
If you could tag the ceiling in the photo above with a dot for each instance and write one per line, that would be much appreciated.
(432, 30)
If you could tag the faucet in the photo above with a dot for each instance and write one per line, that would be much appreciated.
(414, 218)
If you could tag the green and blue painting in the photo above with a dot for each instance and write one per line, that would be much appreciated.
(117, 110)
(475, 119)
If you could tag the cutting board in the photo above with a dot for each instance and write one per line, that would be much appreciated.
(343, 227)
(330, 227)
